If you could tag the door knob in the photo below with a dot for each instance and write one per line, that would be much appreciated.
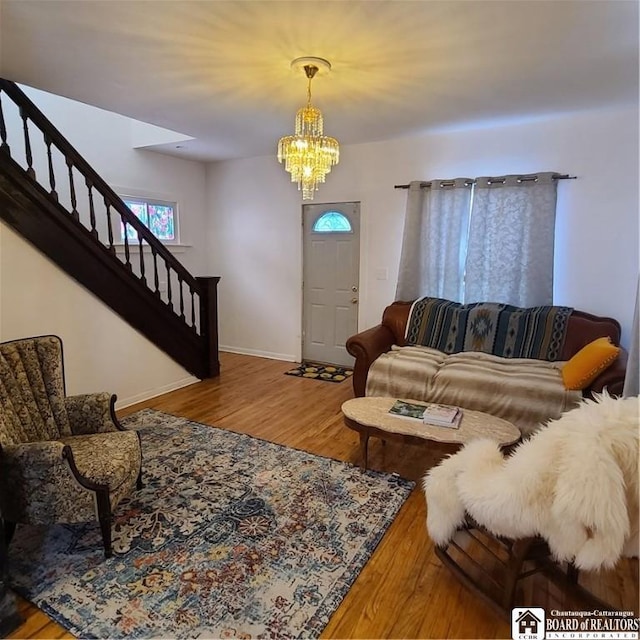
(354, 300)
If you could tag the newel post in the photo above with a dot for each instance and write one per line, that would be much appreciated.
(209, 323)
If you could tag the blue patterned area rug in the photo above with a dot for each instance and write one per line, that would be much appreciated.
(231, 536)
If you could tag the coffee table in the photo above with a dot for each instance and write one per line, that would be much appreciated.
(370, 416)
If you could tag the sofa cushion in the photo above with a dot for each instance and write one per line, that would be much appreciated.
(524, 391)
(107, 459)
(589, 363)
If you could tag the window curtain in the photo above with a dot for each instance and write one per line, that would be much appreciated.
(434, 240)
(511, 240)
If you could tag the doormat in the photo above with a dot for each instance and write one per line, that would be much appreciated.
(230, 537)
(319, 371)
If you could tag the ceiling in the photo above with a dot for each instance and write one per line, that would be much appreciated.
(219, 71)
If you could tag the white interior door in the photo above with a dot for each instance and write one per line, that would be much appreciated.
(331, 269)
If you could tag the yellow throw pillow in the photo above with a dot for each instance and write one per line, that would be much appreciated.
(589, 363)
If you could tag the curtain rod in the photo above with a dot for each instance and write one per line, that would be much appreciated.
(564, 176)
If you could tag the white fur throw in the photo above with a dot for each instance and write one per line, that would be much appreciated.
(574, 483)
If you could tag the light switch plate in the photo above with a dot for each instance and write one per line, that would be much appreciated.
(382, 273)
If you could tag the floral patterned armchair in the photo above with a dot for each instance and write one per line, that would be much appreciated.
(62, 459)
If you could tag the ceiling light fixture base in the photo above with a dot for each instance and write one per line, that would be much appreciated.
(323, 66)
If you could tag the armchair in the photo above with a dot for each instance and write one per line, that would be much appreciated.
(569, 494)
(62, 459)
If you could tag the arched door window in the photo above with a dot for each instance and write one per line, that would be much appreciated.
(332, 222)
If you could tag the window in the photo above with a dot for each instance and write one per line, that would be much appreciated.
(159, 216)
(332, 222)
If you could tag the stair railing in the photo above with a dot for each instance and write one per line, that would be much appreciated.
(86, 198)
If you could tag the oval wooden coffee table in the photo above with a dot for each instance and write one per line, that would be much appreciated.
(370, 417)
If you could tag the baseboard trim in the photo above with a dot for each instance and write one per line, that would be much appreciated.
(158, 391)
(185, 382)
(287, 357)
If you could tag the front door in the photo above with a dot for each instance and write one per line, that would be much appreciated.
(331, 267)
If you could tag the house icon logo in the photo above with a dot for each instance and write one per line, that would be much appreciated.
(527, 624)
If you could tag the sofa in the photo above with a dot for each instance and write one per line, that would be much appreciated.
(482, 357)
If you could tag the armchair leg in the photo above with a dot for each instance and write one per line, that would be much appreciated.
(9, 530)
(519, 551)
(105, 527)
(104, 517)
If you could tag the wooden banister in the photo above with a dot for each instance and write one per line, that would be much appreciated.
(74, 159)
(182, 323)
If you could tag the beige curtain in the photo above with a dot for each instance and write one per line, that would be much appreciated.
(434, 240)
(511, 240)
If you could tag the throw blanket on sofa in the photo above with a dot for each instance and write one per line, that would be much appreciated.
(525, 392)
(500, 329)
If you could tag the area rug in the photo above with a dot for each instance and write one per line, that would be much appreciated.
(318, 371)
(231, 536)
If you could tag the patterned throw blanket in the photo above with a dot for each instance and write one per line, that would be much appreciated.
(500, 329)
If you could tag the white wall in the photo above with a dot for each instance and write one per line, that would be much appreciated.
(255, 237)
(255, 232)
(102, 352)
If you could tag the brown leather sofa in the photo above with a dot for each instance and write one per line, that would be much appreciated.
(582, 329)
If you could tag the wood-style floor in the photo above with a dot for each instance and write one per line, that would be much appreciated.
(403, 591)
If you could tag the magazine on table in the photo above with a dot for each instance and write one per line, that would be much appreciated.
(439, 415)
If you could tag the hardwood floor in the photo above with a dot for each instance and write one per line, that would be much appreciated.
(403, 591)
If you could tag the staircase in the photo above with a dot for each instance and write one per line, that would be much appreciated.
(52, 197)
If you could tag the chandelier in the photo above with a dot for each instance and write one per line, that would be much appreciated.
(308, 155)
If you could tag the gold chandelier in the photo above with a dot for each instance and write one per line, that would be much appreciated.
(308, 155)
